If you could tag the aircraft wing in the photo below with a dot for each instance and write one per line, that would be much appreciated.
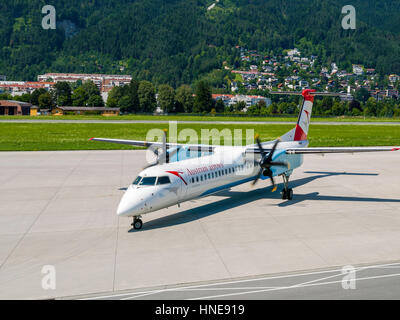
(147, 144)
(324, 150)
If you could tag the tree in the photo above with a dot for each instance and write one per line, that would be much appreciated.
(362, 95)
(35, 96)
(166, 98)
(132, 91)
(203, 101)
(63, 93)
(87, 95)
(114, 97)
(370, 107)
(219, 106)
(184, 98)
(91, 88)
(79, 97)
(147, 96)
(95, 101)
(45, 101)
(239, 106)
(125, 104)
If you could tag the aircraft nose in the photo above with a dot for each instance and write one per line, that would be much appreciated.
(133, 203)
(128, 203)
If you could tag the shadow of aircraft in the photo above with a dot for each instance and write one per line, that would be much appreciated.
(240, 198)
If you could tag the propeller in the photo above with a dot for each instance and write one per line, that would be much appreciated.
(266, 163)
(165, 153)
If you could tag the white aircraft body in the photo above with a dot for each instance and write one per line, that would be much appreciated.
(170, 183)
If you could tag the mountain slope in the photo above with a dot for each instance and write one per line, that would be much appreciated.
(178, 41)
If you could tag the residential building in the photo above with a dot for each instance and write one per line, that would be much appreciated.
(358, 69)
(105, 82)
(249, 100)
(18, 88)
(394, 78)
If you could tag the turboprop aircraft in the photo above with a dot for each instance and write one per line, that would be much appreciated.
(174, 178)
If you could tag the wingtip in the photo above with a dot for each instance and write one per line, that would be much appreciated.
(91, 139)
(395, 149)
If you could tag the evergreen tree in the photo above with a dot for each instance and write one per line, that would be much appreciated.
(63, 93)
(35, 96)
(203, 100)
(166, 98)
(147, 97)
(184, 98)
(79, 97)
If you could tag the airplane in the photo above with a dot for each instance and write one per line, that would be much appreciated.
(184, 172)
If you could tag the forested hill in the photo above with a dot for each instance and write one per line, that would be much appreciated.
(179, 41)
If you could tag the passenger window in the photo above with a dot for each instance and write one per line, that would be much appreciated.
(163, 180)
(137, 180)
(148, 181)
(197, 179)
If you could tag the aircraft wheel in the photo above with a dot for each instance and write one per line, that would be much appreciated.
(137, 224)
(290, 194)
(284, 194)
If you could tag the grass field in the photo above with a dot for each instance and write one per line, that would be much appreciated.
(199, 118)
(75, 136)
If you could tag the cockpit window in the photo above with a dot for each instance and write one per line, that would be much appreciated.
(137, 180)
(163, 180)
(148, 181)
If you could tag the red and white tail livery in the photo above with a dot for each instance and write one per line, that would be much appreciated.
(303, 123)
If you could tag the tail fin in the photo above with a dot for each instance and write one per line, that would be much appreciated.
(303, 122)
(300, 132)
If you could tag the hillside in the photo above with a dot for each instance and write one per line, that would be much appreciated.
(179, 41)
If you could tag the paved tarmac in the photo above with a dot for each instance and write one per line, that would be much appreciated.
(58, 209)
(349, 282)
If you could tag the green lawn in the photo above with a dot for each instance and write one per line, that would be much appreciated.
(199, 118)
(75, 136)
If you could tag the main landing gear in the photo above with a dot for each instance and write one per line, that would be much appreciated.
(137, 223)
(287, 193)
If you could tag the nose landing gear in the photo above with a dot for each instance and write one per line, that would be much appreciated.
(137, 223)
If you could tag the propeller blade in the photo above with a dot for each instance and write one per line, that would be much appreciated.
(259, 144)
(258, 177)
(274, 187)
(272, 151)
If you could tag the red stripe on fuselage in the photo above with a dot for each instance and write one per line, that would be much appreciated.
(176, 173)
